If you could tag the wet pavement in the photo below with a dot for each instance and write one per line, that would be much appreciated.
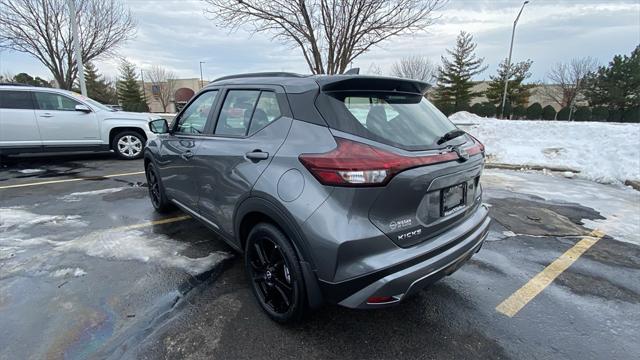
(88, 270)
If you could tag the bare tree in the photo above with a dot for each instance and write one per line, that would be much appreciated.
(41, 28)
(163, 85)
(374, 69)
(330, 33)
(566, 81)
(7, 77)
(414, 67)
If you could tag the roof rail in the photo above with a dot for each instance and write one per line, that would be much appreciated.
(13, 84)
(260, 74)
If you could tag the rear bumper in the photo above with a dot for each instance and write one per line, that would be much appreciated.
(406, 278)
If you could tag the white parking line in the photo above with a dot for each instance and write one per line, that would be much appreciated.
(68, 180)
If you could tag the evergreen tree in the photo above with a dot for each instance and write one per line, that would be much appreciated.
(548, 113)
(477, 109)
(617, 86)
(454, 76)
(519, 112)
(24, 78)
(97, 87)
(582, 113)
(489, 109)
(517, 93)
(534, 112)
(129, 92)
(507, 110)
(600, 113)
(563, 114)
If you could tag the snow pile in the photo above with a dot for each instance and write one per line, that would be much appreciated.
(465, 118)
(603, 152)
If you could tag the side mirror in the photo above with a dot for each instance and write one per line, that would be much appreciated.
(159, 126)
(83, 108)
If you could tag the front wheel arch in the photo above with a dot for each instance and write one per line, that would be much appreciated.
(117, 130)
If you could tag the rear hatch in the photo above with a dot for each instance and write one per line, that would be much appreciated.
(392, 137)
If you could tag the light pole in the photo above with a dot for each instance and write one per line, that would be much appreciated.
(144, 91)
(76, 45)
(201, 80)
(506, 80)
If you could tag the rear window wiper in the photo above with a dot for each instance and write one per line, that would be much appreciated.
(450, 136)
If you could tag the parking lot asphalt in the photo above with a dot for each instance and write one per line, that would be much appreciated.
(88, 270)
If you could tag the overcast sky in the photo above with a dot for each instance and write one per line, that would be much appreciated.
(178, 35)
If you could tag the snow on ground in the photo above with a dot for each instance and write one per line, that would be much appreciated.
(30, 171)
(18, 219)
(22, 231)
(76, 272)
(620, 205)
(141, 246)
(603, 152)
(76, 195)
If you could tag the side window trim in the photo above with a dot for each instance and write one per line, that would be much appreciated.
(253, 111)
(222, 99)
(213, 110)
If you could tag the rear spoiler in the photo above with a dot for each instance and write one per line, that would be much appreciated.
(368, 83)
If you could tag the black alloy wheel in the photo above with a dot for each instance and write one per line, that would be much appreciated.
(156, 192)
(275, 274)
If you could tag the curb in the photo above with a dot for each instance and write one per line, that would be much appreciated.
(529, 167)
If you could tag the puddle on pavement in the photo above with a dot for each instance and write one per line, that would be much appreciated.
(538, 218)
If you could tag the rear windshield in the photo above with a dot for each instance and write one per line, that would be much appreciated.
(406, 121)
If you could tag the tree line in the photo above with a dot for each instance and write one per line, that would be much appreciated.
(583, 90)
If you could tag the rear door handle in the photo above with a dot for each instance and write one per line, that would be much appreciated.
(187, 155)
(257, 155)
(46, 115)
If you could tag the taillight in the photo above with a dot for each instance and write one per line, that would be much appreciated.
(357, 164)
(477, 148)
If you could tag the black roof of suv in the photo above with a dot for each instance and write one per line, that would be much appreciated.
(298, 83)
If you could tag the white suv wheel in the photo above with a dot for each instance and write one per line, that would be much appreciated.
(129, 145)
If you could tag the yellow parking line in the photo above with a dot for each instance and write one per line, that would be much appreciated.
(151, 223)
(531, 289)
(69, 180)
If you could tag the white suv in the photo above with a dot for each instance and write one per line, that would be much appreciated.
(34, 119)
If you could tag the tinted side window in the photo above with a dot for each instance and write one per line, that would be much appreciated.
(236, 112)
(266, 111)
(16, 100)
(194, 117)
(50, 101)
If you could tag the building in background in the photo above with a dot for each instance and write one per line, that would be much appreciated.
(182, 90)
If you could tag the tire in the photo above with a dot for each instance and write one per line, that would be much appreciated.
(157, 195)
(274, 274)
(128, 145)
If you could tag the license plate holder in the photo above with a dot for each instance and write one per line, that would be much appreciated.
(453, 199)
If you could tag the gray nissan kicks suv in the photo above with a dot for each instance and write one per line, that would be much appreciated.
(346, 189)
